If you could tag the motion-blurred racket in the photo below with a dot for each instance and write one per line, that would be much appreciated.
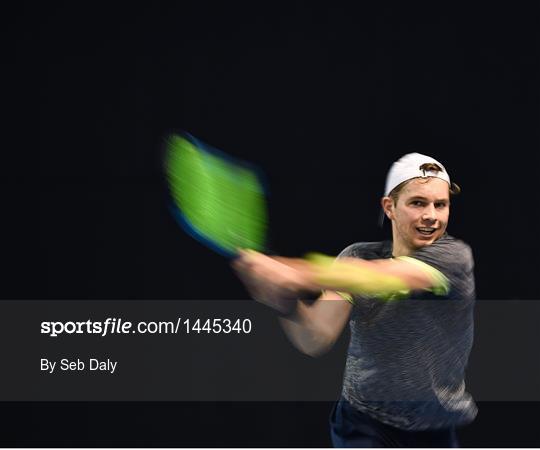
(217, 199)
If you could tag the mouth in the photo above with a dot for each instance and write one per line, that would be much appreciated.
(426, 231)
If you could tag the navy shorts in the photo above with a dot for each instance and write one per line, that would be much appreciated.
(351, 428)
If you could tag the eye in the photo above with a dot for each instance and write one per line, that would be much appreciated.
(417, 203)
(440, 205)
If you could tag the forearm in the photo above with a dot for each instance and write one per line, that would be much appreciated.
(314, 327)
(369, 278)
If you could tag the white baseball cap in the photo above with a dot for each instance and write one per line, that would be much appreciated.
(408, 167)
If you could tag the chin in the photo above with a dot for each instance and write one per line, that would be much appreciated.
(425, 242)
(419, 243)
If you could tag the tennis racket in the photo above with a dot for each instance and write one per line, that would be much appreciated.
(217, 199)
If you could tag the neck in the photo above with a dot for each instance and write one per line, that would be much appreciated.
(398, 246)
(398, 249)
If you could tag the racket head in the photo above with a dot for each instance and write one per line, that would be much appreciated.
(217, 199)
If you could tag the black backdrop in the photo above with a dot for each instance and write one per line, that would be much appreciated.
(323, 97)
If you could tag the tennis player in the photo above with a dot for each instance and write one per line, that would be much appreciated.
(409, 304)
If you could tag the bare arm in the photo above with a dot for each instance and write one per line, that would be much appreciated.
(314, 328)
(361, 276)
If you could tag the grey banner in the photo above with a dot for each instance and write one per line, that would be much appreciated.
(222, 350)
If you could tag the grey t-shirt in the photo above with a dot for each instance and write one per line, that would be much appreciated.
(407, 357)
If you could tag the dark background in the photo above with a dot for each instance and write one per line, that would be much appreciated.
(323, 97)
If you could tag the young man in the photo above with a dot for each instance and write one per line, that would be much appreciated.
(409, 303)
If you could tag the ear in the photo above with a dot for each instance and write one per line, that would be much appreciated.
(388, 207)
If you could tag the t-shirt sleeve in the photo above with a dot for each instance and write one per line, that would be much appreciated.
(364, 250)
(453, 260)
(349, 252)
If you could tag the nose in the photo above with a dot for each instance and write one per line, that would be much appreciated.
(429, 214)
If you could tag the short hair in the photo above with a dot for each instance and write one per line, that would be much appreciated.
(454, 189)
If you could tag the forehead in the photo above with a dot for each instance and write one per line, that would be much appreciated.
(431, 188)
